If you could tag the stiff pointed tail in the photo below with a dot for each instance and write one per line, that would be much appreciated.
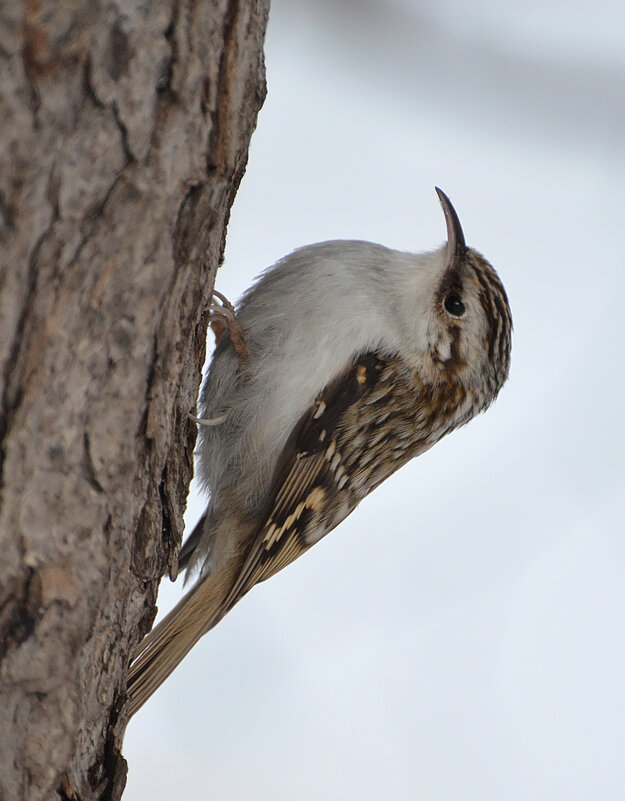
(170, 641)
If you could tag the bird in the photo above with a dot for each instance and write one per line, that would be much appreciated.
(343, 362)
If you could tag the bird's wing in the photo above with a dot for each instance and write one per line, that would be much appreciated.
(330, 462)
(311, 492)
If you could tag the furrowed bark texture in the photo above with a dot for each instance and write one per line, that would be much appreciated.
(124, 129)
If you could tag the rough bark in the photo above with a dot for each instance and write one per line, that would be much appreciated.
(124, 130)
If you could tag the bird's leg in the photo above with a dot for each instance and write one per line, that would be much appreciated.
(224, 319)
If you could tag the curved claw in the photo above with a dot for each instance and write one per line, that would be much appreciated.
(226, 303)
(203, 421)
(224, 319)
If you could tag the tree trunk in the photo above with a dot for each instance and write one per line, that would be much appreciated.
(124, 131)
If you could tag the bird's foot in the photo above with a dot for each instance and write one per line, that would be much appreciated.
(223, 318)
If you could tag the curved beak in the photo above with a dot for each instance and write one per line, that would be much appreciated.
(456, 246)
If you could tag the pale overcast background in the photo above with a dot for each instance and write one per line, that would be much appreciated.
(460, 636)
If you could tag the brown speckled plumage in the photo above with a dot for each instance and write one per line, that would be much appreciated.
(285, 464)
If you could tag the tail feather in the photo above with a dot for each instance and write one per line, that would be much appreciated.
(170, 641)
(189, 546)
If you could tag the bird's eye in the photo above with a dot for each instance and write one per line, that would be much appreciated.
(454, 305)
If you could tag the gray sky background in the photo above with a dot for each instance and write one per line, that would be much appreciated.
(460, 636)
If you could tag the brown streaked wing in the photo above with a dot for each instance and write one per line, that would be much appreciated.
(305, 492)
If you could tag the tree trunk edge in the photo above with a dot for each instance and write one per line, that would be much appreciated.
(123, 144)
